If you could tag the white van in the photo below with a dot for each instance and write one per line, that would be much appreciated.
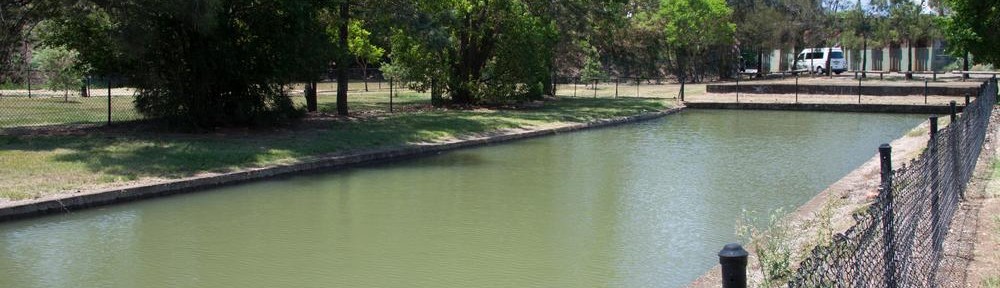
(814, 60)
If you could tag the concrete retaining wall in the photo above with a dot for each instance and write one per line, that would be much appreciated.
(751, 88)
(69, 202)
(868, 108)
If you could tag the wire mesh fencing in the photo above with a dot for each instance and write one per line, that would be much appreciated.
(37, 98)
(620, 87)
(898, 241)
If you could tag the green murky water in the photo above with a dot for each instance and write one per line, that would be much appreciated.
(643, 205)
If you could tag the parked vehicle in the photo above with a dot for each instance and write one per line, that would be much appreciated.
(815, 60)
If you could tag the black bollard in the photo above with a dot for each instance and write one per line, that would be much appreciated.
(934, 125)
(967, 99)
(734, 266)
(953, 111)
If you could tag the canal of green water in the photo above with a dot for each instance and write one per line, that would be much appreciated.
(641, 205)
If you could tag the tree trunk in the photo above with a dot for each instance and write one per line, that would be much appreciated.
(436, 99)
(364, 73)
(310, 93)
(829, 59)
(476, 44)
(965, 65)
(864, 56)
(909, 64)
(344, 58)
(760, 62)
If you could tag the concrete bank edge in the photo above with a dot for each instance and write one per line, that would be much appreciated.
(863, 108)
(880, 90)
(713, 277)
(71, 202)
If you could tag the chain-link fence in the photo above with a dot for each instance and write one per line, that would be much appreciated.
(369, 92)
(38, 98)
(898, 240)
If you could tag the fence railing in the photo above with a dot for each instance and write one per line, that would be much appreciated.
(898, 240)
(31, 100)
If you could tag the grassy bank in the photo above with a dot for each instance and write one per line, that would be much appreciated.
(33, 166)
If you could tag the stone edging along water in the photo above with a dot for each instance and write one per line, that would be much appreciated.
(70, 202)
(829, 107)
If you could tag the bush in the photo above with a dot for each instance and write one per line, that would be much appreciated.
(61, 68)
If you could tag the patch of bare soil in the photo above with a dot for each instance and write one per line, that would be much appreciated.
(973, 244)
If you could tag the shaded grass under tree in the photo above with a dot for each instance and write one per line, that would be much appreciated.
(32, 166)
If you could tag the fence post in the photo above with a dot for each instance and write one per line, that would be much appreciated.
(956, 133)
(682, 89)
(967, 99)
(637, 79)
(888, 217)
(954, 110)
(737, 87)
(925, 91)
(734, 266)
(574, 85)
(595, 88)
(109, 100)
(28, 79)
(859, 90)
(935, 193)
(616, 87)
(390, 95)
(796, 88)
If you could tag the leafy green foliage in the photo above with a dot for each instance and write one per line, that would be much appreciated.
(479, 52)
(202, 63)
(972, 27)
(60, 68)
(770, 243)
(689, 41)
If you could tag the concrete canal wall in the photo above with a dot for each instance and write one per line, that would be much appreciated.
(867, 108)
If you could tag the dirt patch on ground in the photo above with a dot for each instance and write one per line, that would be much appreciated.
(975, 237)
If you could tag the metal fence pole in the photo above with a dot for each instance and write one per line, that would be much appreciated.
(954, 110)
(925, 91)
(888, 229)
(390, 95)
(637, 79)
(616, 87)
(859, 90)
(595, 88)
(574, 85)
(682, 89)
(737, 87)
(967, 99)
(28, 79)
(109, 101)
(734, 266)
(796, 88)
(934, 180)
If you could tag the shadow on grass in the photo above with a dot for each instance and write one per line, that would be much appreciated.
(180, 155)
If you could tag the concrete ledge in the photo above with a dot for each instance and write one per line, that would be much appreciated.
(867, 108)
(70, 202)
(880, 90)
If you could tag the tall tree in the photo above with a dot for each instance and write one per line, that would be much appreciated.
(17, 19)
(207, 63)
(688, 38)
(491, 51)
(972, 28)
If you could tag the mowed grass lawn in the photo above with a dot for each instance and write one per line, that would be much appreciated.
(33, 166)
(52, 108)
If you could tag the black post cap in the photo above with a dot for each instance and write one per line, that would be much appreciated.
(733, 253)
